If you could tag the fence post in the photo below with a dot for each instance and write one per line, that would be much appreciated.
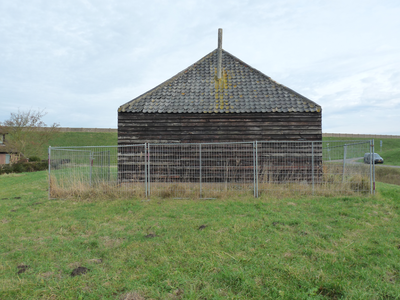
(145, 168)
(49, 160)
(200, 175)
(329, 151)
(148, 169)
(109, 167)
(91, 167)
(370, 166)
(312, 166)
(373, 165)
(256, 174)
(344, 159)
(254, 171)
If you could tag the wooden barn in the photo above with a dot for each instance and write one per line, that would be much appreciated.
(219, 99)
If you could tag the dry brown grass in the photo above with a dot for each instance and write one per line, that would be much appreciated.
(77, 189)
(387, 175)
(192, 190)
(329, 183)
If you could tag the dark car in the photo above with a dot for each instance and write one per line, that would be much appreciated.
(377, 158)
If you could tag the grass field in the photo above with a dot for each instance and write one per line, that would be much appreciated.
(239, 248)
(63, 139)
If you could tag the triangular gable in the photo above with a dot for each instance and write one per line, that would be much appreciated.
(241, 89)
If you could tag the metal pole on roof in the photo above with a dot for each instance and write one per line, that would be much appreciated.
(219, 64)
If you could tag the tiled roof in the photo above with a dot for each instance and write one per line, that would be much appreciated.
(241, 89)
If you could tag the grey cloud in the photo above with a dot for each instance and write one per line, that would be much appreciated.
(82, 59)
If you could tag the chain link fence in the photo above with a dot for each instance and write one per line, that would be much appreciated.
(211, 170)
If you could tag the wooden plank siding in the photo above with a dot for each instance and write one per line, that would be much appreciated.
(138, 128)
(224, 162)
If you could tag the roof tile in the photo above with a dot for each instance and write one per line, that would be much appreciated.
(241, 89)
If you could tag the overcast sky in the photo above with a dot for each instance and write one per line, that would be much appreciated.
(81, 59)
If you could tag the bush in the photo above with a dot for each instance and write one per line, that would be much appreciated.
(34, 158)
(5, 169)
(24, 167)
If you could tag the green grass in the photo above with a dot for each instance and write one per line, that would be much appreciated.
(63, 139)
(303, 248)
(84, 139)
(390, 149)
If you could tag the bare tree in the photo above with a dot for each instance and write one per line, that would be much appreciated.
(27, 133)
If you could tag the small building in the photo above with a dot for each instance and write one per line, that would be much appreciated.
(5, 157)
(219, 99)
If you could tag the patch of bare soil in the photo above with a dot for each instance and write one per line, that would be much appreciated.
(79, 271)
(22, 268)
(201, 227)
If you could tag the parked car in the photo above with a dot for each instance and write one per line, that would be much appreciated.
(377, 158)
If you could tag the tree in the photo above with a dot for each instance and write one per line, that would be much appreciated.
(27, 133)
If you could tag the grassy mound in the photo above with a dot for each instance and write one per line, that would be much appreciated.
(235, 248)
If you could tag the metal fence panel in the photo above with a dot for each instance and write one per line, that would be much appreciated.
(174, 170)
(344, 169)
(227, 168)
(112, 170)
(296, 166)
(210, 170)
(313, 167)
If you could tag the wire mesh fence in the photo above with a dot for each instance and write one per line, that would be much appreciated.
(83, 171)
(209, 170)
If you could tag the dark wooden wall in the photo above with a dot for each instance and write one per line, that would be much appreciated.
(138, 128)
